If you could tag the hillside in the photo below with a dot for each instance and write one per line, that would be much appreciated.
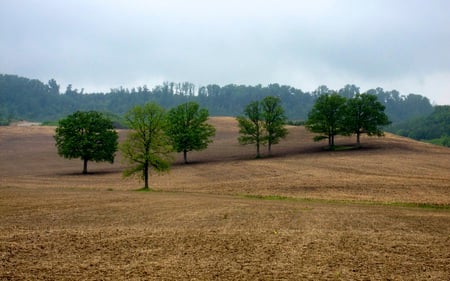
(304, 214)
(390, 168)
(434, 128)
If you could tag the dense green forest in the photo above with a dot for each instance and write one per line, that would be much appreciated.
(411, 115)
(434, 128)
(31, 99)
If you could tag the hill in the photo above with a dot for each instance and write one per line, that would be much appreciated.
(378, 213)
(434, 128)
(387, 169)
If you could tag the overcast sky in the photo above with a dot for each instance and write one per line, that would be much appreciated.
(99, 45)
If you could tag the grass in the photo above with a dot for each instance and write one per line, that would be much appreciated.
(269, 197)
(342, 147)
(145, 189)
(334, 201)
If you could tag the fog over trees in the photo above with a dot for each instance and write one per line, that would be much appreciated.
(23, 98)
(33, 100)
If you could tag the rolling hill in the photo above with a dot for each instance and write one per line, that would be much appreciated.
(386, 169)
(378, 213)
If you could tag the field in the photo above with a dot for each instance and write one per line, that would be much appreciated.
(378, 213)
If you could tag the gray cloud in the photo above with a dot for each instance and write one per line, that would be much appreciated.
(98, 45)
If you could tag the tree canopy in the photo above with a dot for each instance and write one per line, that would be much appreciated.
(326, 117)
(147, 145)
(251, 127)
(188, 128)
(274, 120)
(86, 135)
(23, 98)
(333, 114)
(434, 127)
(364, 114)
(263, 122)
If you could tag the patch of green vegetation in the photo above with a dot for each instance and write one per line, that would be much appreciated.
(433, 128)
(431, 206)
(4, 122)
(418, 205)
(50, 123)
(343, 147)
(443, 141)
(268, 197)
(144, 189)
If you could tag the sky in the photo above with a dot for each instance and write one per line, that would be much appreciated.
(103, 44)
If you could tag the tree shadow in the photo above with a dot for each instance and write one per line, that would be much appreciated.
(91, 173)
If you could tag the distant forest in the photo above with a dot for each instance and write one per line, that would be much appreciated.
(22, 98)
(31, 99)
(434, 128)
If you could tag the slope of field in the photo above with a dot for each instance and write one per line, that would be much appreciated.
(349, 215)
(387, 169)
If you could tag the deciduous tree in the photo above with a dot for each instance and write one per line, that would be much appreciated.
(86, 135)
(147, 145)
(251, 126)
(187, 128)
(326, 117)
(274, 120)
(364, 114)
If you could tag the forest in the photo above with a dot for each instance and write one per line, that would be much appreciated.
(30, 99)
(434, 128)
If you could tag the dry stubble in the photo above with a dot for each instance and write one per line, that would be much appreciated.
(56, 224)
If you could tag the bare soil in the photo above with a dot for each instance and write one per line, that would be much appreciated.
(342, 215)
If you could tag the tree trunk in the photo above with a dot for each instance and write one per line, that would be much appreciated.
(330, 141)
(85, 161)
(270, 148)
(146, 176)
(257, 150)
(185, 156)
(358, 139)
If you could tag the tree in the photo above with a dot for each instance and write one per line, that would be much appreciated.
(274, 120)
(251, 127)
(364, 114)
(349, 91)
(147, 145)
(326, 117)
(86, 135)
(53, 87)
(187, 128)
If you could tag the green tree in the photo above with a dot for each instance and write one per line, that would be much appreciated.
(188, 129)
(86, 135)
(147, 145)
(274, 120)
(364, 114)
(251, 126)
(326, 117)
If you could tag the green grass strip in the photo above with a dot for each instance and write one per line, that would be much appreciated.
(431, 206)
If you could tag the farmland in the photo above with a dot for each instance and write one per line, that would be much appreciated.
(378, 213)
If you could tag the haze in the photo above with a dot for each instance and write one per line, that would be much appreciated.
(99, 45)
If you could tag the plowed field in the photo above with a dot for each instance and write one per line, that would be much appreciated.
(378, 213)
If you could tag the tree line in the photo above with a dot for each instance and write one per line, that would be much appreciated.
(31, 99)
(433, 128)
(155, 134)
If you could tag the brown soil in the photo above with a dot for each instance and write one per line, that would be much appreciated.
(349, 214)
